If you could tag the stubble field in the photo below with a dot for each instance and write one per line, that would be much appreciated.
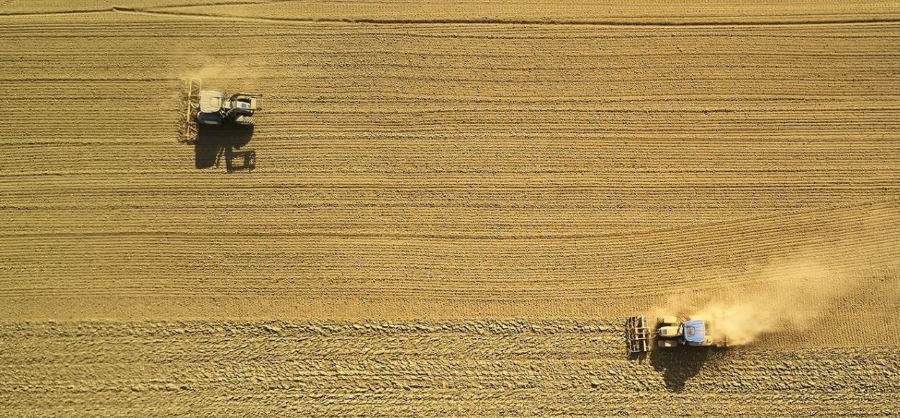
(453, 209)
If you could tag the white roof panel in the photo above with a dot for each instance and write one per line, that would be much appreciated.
(211, 101)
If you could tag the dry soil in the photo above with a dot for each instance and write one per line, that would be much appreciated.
(453, 209)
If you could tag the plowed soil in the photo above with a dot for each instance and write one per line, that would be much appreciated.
(453, 209)
(417, 368)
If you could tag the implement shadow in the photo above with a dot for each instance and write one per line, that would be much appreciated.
(212, 140)
(681, 364)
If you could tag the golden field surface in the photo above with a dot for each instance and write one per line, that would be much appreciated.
(462, 368)
(453, 209)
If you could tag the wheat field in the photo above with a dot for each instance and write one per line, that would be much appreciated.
(454, 206)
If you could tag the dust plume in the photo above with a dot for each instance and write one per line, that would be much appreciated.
(208, 71)
(230, 74)
(788, 296)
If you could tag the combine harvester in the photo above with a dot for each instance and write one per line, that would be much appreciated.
(211, 108)
(669, 332)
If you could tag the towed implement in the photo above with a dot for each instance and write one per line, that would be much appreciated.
(669, 332)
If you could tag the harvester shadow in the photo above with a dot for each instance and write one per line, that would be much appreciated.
(213, 141)
(680, 365)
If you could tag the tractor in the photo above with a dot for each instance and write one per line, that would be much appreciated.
(669, 332)
(225, 119)
(216, 110)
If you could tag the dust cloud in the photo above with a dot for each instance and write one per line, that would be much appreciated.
(229, 75)
(208, 71)
(233, 73)
(786, 296)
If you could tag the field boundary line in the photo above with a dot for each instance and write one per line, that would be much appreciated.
(609, 22)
